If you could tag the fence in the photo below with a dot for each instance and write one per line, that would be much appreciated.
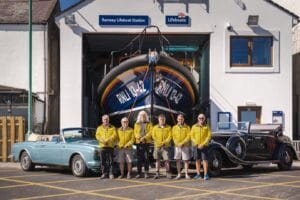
(12, 130)
(296, 144)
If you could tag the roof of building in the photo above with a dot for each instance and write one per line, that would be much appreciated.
(7, 89)
(16, 11)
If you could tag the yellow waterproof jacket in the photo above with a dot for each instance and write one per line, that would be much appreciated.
(137, 132)
(162, 136)
(181, 135)
(106, 136)
(125, 137)
(200, 134)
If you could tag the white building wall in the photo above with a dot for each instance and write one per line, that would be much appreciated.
(14, 57)
(240, 87)
(71, 77)
(269, 88)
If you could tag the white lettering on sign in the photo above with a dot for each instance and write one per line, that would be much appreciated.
(166, 89)
(176, 96)
(133, 89)
(123, 96)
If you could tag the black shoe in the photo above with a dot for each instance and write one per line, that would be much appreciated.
(138, 176)
(156, 176)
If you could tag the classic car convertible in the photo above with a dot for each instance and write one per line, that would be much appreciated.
(75, 148)
(248, 144)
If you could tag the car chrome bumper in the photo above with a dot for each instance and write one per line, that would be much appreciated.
(93, 164)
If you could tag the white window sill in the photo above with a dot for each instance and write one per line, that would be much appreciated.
(252, 69)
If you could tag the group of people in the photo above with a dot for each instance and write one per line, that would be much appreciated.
(143, 135)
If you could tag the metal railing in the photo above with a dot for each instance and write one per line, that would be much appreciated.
(296, 144)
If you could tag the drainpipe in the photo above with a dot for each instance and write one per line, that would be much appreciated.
(46, 86)
(30, 71)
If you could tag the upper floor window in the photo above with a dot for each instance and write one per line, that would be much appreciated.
(251, 51)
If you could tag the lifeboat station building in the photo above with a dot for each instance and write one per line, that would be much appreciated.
(239, 53)
(235, 59)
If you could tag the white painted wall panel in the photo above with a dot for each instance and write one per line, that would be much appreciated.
(14, 57)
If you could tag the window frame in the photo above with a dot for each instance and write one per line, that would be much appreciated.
(250, 52)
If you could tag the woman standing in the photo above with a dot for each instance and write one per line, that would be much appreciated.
(142, 133)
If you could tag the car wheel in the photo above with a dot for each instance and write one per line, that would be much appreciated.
(215, 162)
(285, 159)
(236, 146)
(78, 166)
(26, 162)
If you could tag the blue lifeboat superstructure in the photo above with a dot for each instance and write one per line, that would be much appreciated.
(162, 86)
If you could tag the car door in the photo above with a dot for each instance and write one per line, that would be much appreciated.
(51, 152)
(257, 147)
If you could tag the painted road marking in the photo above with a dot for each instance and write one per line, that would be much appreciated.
(65, 189)
(144, 183)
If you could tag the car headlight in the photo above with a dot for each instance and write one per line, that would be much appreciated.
(238, 149)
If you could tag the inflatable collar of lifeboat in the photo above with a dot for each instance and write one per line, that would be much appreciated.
(154, 83)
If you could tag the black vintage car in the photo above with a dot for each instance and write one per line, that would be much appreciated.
(248, 144)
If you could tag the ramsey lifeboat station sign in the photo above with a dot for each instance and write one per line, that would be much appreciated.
(123, 20)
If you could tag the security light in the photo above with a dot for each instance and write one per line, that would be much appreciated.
(70, 20)
(252, 20)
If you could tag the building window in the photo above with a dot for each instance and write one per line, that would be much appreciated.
(249, 113)
(251, 51)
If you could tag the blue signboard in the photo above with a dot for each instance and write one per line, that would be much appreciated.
(123, 20)
(277, 117)
(177, 20)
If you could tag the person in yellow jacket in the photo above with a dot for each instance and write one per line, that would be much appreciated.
(106, 136)
(125, 142)
(162, 135)
(181, 139)
(200, 136)
(142, 133)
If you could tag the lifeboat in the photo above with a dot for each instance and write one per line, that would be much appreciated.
(156, 83)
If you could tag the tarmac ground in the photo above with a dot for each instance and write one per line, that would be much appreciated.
(261, 182)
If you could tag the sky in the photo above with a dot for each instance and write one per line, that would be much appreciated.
(64, 4)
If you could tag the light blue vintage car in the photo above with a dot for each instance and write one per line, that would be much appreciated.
(75, 148)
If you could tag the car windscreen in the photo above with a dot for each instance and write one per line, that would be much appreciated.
(233, 127)
(72, 135)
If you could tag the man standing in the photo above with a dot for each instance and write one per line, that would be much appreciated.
(126, 139)
(162, 136)
(181, 139)
(200, 136)
(106, 135)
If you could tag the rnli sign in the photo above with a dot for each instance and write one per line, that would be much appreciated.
(177, 20)
(123, 20)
